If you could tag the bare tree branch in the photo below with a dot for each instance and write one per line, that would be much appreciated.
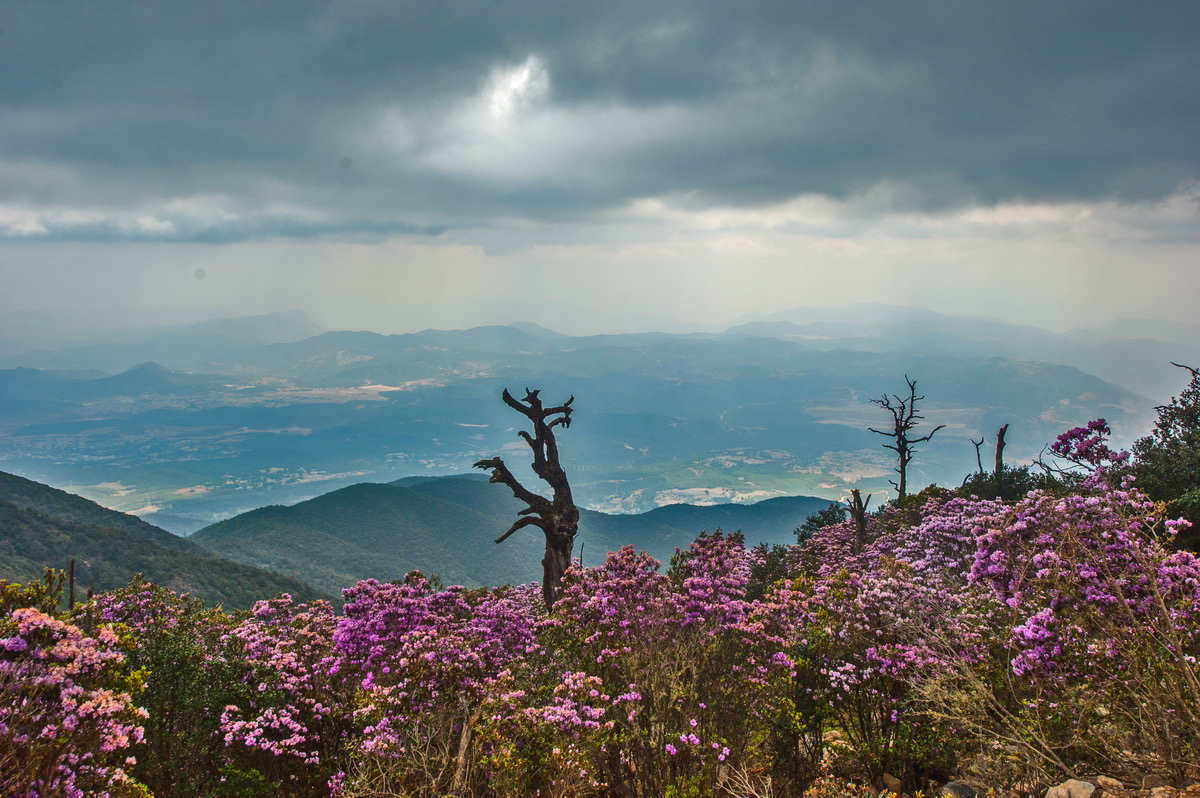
(521, 523)
(978, 456)
(501, 474)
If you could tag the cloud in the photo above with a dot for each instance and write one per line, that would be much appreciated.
(316, 118)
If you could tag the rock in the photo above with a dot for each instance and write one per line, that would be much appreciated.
(1163, 792)
(892, 784)
(1109, 784)
(1152, 781)
(1072, 788)
(956, 789)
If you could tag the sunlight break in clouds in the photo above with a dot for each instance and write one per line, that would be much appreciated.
(512, 88)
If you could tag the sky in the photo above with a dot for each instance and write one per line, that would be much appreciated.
(599, 166)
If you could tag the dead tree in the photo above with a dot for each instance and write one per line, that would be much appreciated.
(978, 456)
(558, 518)
(1000, 433)
(999, 471)
(904, 418)
(858, 516)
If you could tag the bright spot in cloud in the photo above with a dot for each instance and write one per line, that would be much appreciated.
(512, 88)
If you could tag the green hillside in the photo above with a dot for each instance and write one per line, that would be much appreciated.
(41, 527)
(376, 530)
(447, 525)
(30, 495)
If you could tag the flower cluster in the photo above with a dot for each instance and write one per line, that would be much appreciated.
(292, 705)
(67, 718)
(412, 648)
(1087, 448)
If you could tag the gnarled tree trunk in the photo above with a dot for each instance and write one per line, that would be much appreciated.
(558, 518)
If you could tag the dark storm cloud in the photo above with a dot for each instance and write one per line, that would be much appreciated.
(173, 120)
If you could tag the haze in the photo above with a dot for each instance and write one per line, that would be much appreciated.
(595, 167)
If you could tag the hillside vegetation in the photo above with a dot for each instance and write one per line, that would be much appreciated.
(446, 527)
(41, 527)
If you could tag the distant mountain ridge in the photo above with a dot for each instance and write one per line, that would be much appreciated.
(1133, 353)
(188, 347)
(42, 527)
(447, 526)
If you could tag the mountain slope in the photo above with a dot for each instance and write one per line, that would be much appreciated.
(55, 503)
(447, 526)
(41, 527)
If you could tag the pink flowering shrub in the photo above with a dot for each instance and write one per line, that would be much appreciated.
(176, 644)
(293, 714)
(67, 718)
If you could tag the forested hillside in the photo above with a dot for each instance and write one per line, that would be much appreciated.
(446, 526)
(41, 527)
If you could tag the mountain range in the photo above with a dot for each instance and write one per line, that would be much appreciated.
(769, 407)
(185, 347)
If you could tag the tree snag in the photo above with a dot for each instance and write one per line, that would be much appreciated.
(904, 418)
(999, 471)
(858, 516)
(558, 518)
(1000, 433)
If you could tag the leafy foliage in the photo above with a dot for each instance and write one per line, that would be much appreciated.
(1012, 483)
(1167, 461)
(107, 557)
(835, 513)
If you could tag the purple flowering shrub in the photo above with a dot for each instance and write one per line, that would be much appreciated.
(423, 661)
(684, 677)
(878, 620)
(534, 739)
(1086, 450)
(1096, 633)
(67, 716)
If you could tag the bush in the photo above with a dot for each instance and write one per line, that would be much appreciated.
(67, 717)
